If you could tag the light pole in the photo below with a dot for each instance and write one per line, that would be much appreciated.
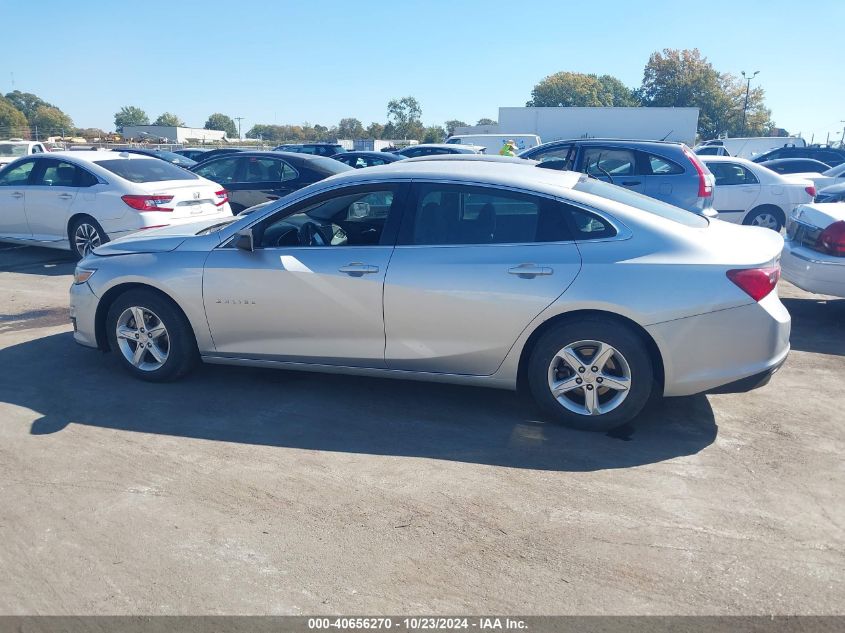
(747, 90)
(842, 140)
(239, 119)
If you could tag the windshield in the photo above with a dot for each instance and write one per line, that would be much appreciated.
(13, 149)
(145, 169)
(329, 165)
(641, 202)
(833, 172)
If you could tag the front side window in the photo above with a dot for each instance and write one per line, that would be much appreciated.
(13, 149)
(344, 219)
(222, 171)
(17, 175)
(457, 214)
(557, 158)
(608, 162)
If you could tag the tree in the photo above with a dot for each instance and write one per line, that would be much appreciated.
(405, 114)
(48, 120)
(26, 102)
(12, 121)
(90, 133)
(566, 89)
(169, 119)
(452, 124)
(486, 122)
(130, 115)
(218, 121)
(683, 78)
(350, 128)
(434, 134)
(375, 130)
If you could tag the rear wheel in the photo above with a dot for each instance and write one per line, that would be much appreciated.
(767, 217)
(85, 234)
(595, 374)
(152, 338)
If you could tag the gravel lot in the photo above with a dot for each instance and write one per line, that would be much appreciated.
(257, 491)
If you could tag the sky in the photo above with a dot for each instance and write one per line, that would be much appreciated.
(288, 61)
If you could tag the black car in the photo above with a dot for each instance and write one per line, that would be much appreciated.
(220, 151)
(366, 159)
(834, 193)
(191, 152)
(829, 155)
(318, 149)
(170, 157)
(256, 177)
(796, 165)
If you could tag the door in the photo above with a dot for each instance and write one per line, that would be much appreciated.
(473, 266)
(14, 184)
(311, 290)
(49, 199)
(736, 191)
(615, 165)
(665, 179)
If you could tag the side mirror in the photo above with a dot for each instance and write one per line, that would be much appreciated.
(243, 240)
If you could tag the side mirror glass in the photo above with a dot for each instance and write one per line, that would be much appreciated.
(243, 240)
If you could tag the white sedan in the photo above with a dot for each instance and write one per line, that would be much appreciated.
(829, 178)
(749, 193)
(83, 199)
(813, 255)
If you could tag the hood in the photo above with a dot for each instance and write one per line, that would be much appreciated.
(160, 240)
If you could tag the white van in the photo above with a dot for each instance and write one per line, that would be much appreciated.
(746, 147)
(494, 142)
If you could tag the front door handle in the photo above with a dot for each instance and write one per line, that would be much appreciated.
(17, 194)
(631, 183)
(357, 269)
(272, 197)
(65, 196)
(529, 271)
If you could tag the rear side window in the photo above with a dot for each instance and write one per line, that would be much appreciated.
(663, 166)
(731, 174)
(145, 170)
(268, 170)
(57, 174)
(641, 202)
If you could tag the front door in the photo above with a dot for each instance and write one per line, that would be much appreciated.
(473, 266)
(14, 184)
(49, 199)
(311, 290)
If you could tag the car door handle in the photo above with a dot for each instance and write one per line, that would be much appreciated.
(272, 197)
(17, 194)
(65, 196)
(631, 183)
(528, 271)
(356, 269)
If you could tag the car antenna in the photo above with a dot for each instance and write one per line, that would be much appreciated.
(667, 135)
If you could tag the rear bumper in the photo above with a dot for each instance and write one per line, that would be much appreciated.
(812, 271)
(708, 351)
(751, 382)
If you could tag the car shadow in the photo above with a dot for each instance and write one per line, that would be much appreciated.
(35, 260)
(818, 325)
(69, 385)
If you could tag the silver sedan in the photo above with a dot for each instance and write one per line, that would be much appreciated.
(590, 296)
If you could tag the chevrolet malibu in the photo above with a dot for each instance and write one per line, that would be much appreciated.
(590, 296)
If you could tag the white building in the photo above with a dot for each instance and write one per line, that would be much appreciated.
(552, 124)
(173, 134)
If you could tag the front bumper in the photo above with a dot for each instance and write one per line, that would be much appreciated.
(813, 271)
(83, 314)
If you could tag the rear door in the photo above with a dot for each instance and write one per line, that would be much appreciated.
(14, 184)
(616, 165)
(473, 266)
(664, 178)
(50, 198)
(263, 178)
(736, 191)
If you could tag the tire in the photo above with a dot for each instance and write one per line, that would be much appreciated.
(769, 217)
(84, 234)
(169, 355)
(625, 363)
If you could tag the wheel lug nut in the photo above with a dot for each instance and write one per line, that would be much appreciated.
(593, 369)
(599, 380)
(578, 381)
(581, 370)
(589, 387)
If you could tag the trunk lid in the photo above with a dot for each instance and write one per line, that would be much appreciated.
(191, 198)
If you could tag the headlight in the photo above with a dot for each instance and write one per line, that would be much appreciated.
(81, 275)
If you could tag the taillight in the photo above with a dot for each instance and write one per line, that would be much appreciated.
(832, 239)
(756, 282)
(705, 187)
(148, 203)
(811, 190)
(222, 197)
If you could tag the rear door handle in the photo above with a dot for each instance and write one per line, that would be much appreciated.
(65, 196)
(272, 197)
(528, 271)
(631, 183)
(357, 269)
(17, 194)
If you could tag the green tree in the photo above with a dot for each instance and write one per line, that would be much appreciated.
(375, 130)
(350, 128)
(89, 133)
(452, 124)
(169, 119)
(683, 78)
(26, 102)
(580, 90)
(130, 115)
(49, 121)
(12, 121)
(405, 115)
(434, 134)
(219, 121)
(486, 122)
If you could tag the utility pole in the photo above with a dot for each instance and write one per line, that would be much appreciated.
(239, 119)
(747, 91)
(842, 140)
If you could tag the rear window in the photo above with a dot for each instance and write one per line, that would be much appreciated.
(328, 165)
(641, 202)
(145, 170)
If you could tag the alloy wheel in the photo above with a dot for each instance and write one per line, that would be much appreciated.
(86, 238)
(589, 378)
(766, 220)
(143, 339)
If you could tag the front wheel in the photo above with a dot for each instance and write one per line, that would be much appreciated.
(152, 338)
(595, 374)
